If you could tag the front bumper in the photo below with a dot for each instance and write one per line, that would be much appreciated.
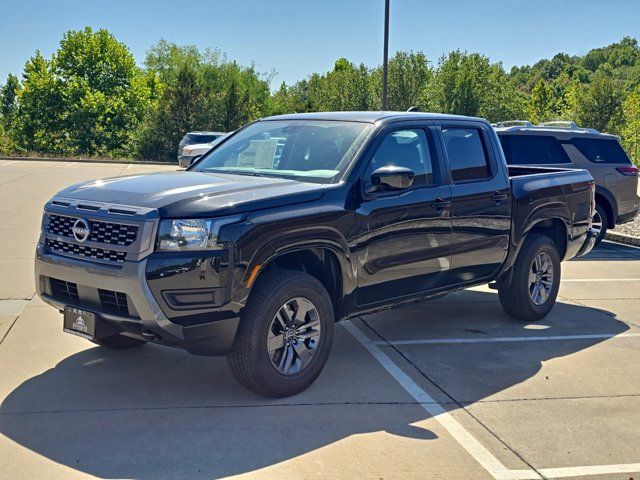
(143, 317)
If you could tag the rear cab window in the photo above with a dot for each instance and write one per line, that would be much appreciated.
(467, 154)
(533, 150)
(601, 150)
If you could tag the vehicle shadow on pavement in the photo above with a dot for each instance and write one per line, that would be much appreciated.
(156, 413)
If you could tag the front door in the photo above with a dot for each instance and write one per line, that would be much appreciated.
(404, 247)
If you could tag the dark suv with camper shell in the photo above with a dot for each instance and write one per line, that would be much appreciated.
(297, 221)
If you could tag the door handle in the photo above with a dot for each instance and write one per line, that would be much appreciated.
(440, 204)
(499, 197)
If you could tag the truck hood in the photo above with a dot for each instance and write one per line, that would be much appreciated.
(195, 194)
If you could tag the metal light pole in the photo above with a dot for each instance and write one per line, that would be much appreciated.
(385, 60)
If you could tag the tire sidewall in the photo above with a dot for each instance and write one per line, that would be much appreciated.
(539, 245)
(315, 293)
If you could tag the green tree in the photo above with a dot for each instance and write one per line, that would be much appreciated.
(409, 74)
(469, 84)
(599, 104)
(501, 99)
(540, 105)
(88, 99)
(39, 121)
(457, 85)
(8, 108)
(105, 92)
(9, 99)
(346, 87)
(200, 90)
(631, 129)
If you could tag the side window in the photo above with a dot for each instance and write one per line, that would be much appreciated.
(405, 148)
(532, 150)
(601, 151)
(466, 153)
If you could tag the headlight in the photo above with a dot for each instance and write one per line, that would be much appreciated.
(191, 234)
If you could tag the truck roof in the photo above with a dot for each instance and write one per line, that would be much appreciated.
(371, 117)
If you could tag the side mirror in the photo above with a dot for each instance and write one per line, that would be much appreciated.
(392, 177)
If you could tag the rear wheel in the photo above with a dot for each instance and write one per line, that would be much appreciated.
(119, 342)
(535, 280)
(285, 334)
(600, 222)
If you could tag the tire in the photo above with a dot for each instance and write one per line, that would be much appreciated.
(119, 342)
(264, 371)
(603, 220)
(517, 298)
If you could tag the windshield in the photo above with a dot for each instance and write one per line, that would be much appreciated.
(315, 151)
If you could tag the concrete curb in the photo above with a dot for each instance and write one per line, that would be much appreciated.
(85, 160)
(622, 238)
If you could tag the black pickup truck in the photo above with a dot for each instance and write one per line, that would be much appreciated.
(295, 222)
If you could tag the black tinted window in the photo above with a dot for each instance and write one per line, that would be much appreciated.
(532, 150)
(201, 138)
(406, 148)
(466, 153)
(600, 150)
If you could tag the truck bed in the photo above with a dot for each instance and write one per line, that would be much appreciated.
(548, 192)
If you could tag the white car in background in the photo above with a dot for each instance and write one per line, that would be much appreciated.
(192, 152)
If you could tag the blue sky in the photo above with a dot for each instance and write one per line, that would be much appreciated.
(296, 38)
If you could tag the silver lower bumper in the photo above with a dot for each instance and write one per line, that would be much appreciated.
(130, 280)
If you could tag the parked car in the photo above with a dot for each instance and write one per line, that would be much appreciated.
(564, 144)
(191, 153)
(364, 211)
(193, 138)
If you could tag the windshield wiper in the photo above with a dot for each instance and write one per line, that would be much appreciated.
(252, 174)
(233, 172)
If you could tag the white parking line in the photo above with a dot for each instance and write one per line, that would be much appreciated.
(70, 164)
(7, 163)
(431, 341)
(600, 280)
(479, 453)
(589, 470)
(490, 463)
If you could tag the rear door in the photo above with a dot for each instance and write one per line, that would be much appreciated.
(481, 197)
(404, 247)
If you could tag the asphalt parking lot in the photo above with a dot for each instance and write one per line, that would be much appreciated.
(447, 389)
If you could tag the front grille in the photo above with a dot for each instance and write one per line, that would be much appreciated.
(67, 291)
(114, 301)
(85, 251)
(101, 232)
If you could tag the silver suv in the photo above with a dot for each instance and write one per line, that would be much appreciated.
(193, 138)
(565, 144)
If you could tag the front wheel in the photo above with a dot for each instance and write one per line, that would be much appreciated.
(285, 334)
(535, 280)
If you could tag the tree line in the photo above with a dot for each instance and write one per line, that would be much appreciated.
(90, 98)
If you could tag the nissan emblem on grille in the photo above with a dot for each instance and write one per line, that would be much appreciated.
(81, 230)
